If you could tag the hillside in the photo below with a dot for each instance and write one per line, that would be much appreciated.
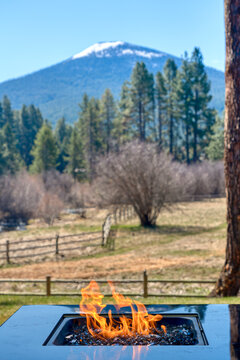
(57, 90)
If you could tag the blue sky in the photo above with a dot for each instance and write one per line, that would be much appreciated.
(38, 33)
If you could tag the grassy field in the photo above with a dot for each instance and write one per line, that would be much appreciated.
(187, 243)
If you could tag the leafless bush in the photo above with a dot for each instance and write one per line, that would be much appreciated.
(20, 195)
(58, 184)
(70, 192)
(50, 207)
(139, 176)
(207, 178)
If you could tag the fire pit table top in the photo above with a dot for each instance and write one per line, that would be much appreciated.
(24, 335)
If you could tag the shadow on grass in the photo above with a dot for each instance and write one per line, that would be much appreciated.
(169, 229)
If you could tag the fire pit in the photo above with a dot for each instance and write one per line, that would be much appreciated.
(46, 332)
(180, 330)
(128, 323)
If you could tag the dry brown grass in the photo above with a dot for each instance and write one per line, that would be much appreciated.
(188, 243)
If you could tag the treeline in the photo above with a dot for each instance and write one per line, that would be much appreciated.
(171, 110)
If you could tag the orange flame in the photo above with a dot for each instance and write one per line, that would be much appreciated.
(140, 321)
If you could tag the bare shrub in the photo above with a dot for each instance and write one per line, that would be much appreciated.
(139, 176)
(50, 207)
(58, 184)
(20, 195)
(207, 178)
(70, 192)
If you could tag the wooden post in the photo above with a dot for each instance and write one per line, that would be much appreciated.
(145, 284)
(48, 285)
(57, 250)
(115, 216)
(103, 233)
(7, 252)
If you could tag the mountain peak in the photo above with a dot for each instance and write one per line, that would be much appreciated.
(117, 48)
(98, 49)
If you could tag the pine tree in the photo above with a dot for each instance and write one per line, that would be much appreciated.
(10, 157)
(36, 120)
(203, 117)
(142, 97)
(91, 134)
(1, 116)
(75, 157)
(184, 100)
(62, 134)
(215, 149)
(29, 122)
(170, 76)
(7, 113)
(45, 151)
(161, 106)
(108, 112)
(122, 131)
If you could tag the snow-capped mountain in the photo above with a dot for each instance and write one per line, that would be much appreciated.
(58, 89)
(118, 48)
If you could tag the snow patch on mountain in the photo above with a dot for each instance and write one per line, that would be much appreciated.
(147, 54)
(98, 49)
(117, 48)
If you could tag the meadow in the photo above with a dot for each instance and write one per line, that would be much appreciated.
(187, 243)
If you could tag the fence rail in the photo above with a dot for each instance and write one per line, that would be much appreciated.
(57, 244)
(144, 282)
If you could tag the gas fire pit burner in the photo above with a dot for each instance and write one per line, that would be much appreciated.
(171, 330)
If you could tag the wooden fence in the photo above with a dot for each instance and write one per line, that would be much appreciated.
(145, 281)
(55, 245)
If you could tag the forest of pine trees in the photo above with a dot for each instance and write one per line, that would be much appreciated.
(171, 109)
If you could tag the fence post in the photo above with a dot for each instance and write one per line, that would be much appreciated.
(57, 251)
(128, 213)
(48, 285)
(145, 284)
(7, 252)
(103, 234)
(115, 216)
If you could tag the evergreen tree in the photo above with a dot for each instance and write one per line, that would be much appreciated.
(1, 116)
(36, 120)
(108, 112)
(91, 132)
(203, 117)
(7, 113)
(142, 97)
(45, 151)
(161, 106)
(29, 122)
(185, 99)
(3, 165)
(122, 123)
(62, 134)
(170, 75)
(215, 149)
(75, 158)
(10, 158)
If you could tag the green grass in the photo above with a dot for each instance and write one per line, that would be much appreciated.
(10, 304)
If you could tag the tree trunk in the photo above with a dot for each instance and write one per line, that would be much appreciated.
(235, 332)
(195, 129)
(187, 144)
(171, 135)
(159, 126)
(229, 280)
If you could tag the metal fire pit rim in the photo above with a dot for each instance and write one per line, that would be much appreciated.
(66, 317)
